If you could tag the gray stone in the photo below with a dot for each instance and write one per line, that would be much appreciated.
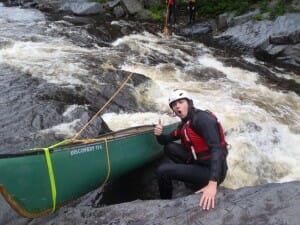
(238, 20)
(222, 22)
(144, 14)
(195, 30)
(132, 6)
(251, 34)
(112, 4)
(118, 11)
(85, 9)
(286, 29)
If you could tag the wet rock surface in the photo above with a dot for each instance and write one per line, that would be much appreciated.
(266, 204)
(32, 107)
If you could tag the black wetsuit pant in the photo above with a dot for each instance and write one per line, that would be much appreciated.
(172, 13)
(192, 9)
(194, 173)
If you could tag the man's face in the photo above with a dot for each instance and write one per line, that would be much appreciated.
(180, 108)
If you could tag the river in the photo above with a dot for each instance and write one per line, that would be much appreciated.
(261, 121)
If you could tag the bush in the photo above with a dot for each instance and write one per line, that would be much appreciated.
(156, 11)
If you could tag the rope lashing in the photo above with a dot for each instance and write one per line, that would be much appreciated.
(52, 178)
(108, 165)
(50, 170)
(107, 103)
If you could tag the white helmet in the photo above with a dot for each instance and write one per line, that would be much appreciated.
(178, 94)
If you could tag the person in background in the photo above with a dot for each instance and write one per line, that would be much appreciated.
(192, 10)
(200, 159)
(171, 5)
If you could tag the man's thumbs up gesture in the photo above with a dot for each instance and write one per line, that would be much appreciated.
(158, 128)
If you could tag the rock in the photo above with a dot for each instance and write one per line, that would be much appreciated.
(83, 8)
(132, 6)
(286, 29)
(222, 21)
(194, 30)
(113, 4)
(144, 14)
(272, 41)
(119, 12)
(78, 20)
(148, 3)
(283, 46)
(265, 204)
(287, 56)
(238, 20)
(87, 9)
(248, 35)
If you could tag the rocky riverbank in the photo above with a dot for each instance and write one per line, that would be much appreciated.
(260, 205)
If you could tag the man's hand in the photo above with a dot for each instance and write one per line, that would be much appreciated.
(208, 198)
(158, 128)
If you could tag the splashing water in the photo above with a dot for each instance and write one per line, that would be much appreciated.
(261, 124)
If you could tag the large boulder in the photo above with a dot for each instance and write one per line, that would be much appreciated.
(82, 7)
(246, 36)
(286, 29)
(283, 44)
(197, 30)
(132, 6)
(273, 41)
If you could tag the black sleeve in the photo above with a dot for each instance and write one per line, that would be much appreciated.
(167, 138)
(206, 126)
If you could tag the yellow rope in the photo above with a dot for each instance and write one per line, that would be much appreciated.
(52, 178)
(108, 166)
(50, 172)
(106, 104)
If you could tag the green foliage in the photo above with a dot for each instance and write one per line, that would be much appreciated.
(156, 11)
(263, 5)
(212, 8)
(258, 17)
(279, 9)
(100, 1)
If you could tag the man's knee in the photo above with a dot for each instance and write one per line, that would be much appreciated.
(164, 170)
(176, 152)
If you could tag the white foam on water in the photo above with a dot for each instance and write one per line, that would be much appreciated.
(54, 62)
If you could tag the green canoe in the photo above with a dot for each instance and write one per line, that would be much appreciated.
(36, 182)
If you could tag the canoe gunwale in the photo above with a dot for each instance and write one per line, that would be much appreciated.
(115, 135)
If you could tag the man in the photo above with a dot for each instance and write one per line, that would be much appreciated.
(200, 158)
(171, 5)
(192, 10)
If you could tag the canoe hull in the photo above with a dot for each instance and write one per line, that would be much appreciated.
(25, 179)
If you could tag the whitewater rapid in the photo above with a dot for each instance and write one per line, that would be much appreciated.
(262, 123)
